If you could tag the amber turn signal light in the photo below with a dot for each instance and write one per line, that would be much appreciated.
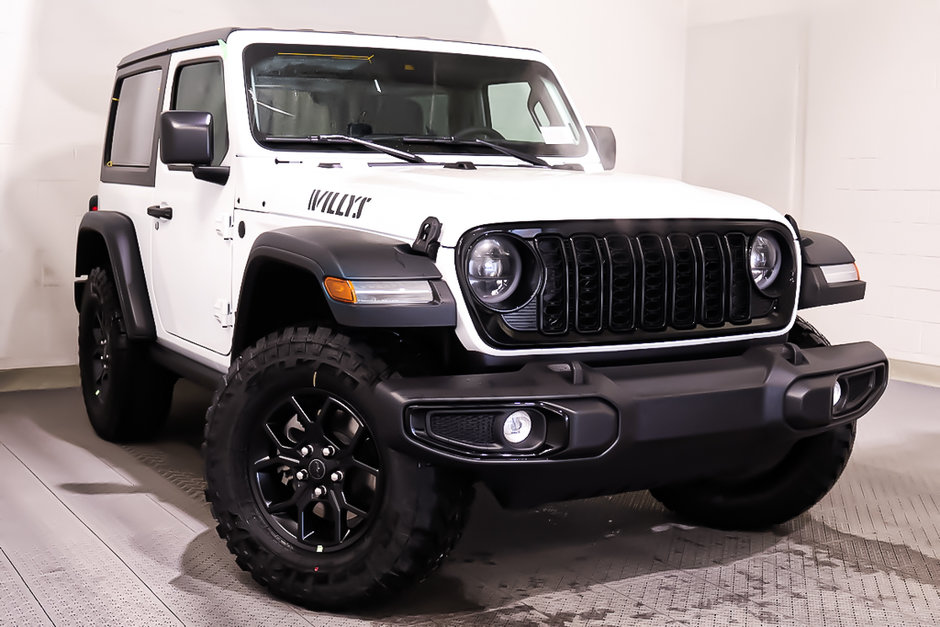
(340, 289)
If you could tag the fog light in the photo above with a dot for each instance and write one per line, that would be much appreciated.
(517, 427)
(836, 393)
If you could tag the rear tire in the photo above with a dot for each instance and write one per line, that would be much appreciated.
(307, 499)
(127, 396)
(774, 496)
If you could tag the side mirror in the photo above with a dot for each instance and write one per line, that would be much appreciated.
(186, 137)
(606, 144)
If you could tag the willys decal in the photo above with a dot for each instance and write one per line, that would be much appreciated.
(345, 205)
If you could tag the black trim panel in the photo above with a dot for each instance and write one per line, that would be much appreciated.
(325, 251)
(673, 422)
(186, 367)
(120, 239)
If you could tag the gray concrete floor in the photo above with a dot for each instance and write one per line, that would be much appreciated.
(95, 533)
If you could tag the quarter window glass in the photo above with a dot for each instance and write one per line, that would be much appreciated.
(199, 87)
(135, 119)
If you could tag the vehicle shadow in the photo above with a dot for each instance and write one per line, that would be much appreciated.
(508, 561)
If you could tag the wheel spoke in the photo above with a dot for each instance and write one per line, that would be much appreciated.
(304, 517)
(361, 513)
(366, 467)
(339, 521)
(274, 460)
(356, 439)
(283, 506)
(282, 450)
(301, 414)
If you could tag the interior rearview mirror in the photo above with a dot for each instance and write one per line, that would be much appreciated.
(186, 137)
(606, 144)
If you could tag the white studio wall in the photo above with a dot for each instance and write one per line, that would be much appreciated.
(848, 142)
(622, 62)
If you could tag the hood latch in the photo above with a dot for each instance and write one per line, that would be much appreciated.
(426, 243)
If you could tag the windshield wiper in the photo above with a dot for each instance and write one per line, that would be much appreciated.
(511, 152)
(347, 139)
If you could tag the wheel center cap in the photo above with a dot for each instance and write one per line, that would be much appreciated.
(317, 469)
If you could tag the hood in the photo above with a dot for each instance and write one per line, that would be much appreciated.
(395, 199)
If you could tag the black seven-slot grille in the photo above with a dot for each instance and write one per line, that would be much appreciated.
(638, 282)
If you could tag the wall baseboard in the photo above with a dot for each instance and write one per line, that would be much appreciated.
(46, 378)
(56, 377)
(914, 372)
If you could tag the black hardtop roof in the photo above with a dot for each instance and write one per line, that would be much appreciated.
(210, 37)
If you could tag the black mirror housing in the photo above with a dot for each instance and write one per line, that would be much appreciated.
(606, 144)
(186, 137)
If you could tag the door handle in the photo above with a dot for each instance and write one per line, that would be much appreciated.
(160, 212)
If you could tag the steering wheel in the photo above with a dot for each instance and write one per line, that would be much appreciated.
(482, 132)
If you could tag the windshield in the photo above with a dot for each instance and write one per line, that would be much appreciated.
(386, 95)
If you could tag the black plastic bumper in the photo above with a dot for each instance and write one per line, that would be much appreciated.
(618, 428)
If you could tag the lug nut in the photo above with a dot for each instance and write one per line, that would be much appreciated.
(319, 491)
(328, 451)
(304, 451)
(301, 475)
(336, 476)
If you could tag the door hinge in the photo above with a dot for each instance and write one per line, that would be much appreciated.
(223, 313)
(225, 227)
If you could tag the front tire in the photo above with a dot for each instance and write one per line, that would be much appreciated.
(127, 396)
(310, 503)
(774, 496)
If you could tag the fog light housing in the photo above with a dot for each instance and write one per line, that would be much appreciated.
(517, 427)
(836, 394)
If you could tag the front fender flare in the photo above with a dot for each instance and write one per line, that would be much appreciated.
(348, 254)
(820, 250)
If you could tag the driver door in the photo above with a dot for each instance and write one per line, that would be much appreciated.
(191, 251)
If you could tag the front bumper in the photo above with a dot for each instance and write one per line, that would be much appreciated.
(618, 428)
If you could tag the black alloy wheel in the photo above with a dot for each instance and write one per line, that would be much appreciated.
(100, 364)
(316, 470)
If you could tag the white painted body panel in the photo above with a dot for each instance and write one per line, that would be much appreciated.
(271, 189)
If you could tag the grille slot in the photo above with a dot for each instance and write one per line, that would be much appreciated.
(740, 283)
(653, 288)
(649, 282)
(712, 270)
(684, 284)
(622, 280)
(588, 282)
(553, 301)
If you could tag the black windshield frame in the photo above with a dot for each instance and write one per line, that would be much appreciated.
(294, 66)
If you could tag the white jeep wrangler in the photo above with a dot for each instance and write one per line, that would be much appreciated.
(404, 269)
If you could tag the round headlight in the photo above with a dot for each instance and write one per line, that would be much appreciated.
(765, 259)
(494, 269)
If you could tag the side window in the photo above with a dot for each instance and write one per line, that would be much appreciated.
(199, 87)
(134, 120)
